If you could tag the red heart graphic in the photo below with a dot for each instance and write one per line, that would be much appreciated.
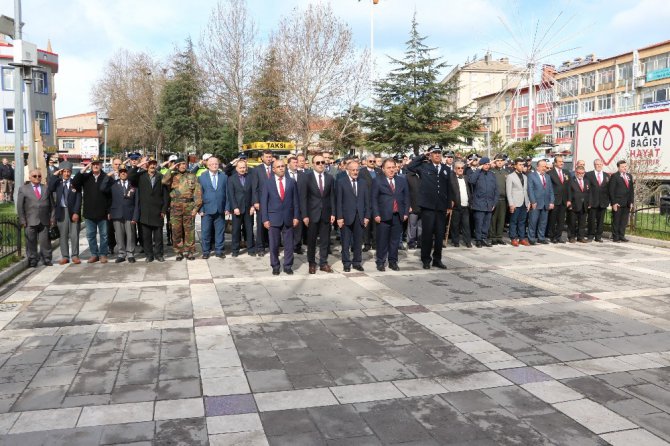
(604, 141)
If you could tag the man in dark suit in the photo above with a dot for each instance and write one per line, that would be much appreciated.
(541, 196)
(484, 200)
(390, 207)
(36, 213)
(578, 203)
(259, 176)
(68, 212)
(599, 199)
(459, 193)
(95, 186)
(434, 203)
(280, 213)
(368, 172)
(560, 178)
(353, 215)
(124, 213)
(153, 205)
(240, 204)
(414, 220)
(317, 207)
(213, 183)
(622, 197)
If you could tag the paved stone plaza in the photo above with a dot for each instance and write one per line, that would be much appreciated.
(549, 345)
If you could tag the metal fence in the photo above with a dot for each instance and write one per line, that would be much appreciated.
(10, 236)
(651, 221)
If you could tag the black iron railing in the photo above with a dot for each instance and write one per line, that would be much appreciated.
(10, 236)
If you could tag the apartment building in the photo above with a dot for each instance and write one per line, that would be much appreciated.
(588, 87)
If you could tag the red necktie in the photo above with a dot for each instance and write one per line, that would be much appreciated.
(600, 180)
(395, 203)
(321, 183)
(267, 171)
(544, 183)
(281, 189)
(581, 186)
(560, 175)
(625, 179)
(38, 194)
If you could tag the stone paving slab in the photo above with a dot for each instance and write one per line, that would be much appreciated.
(492, 351)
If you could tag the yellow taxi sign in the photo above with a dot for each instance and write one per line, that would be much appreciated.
(269, 145)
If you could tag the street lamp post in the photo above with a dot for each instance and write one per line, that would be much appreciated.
(105, 123)
(18, 108)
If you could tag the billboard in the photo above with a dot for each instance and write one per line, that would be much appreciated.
(637, 137)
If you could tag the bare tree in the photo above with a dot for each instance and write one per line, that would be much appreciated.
(229, 54)
(324, 74)
(129, 92)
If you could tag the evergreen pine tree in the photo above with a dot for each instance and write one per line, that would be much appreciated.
(411, 107)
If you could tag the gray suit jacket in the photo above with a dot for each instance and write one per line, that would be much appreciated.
(33, 212)
(517, 194)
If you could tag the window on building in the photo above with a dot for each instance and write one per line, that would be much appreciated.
(7, 78)
(40, 81)
(9, 121)
(523, 100)
(567, 108)
(567, 132)
(507, 102)
(545, 96)
(605, 77)
(624, 102)
(656, 62)
(522, 122)
(656, 94)
(588, 105)
(625, 75)
(605, 102)
(568, 86)
(68, 144)
(42, 119)
(589, 82)
(541, 119)
(508, 125)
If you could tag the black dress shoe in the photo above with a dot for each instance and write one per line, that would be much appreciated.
(394, 266)
(487, 243)
(32, 264)
(502, 242)
(625, 240)
(120, 260)
(160, 258)
(275, 271)
(179, 257)
(426, 265)
(560, 240)
(478, 244)
(151, 259)
(381, 268)
(235, 254)
(48, 263)
(190, 256)
(359, 268)
(220, 255)
(347, 269)
(297, 250)
(599, 240)
(288, 271)
(455, 245)
(131, 259)
(205, 256)
(439, 265)
(532, 242)
(366, 248)
(468, 244)
(544, 241)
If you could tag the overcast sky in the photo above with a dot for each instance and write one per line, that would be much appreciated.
(85, 33)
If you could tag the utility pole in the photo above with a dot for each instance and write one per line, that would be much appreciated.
(18, 108)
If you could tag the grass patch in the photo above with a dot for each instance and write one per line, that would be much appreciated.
(8, 261)
(7, 209)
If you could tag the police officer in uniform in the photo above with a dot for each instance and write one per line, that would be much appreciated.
(185, 202)
(498, 217)
(434, 203)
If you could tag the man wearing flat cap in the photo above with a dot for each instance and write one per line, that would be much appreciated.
(68, 212)
(153, 204)
(124, 213)
(95, 186)
(185, 202)
(434, 203)
(484, 200)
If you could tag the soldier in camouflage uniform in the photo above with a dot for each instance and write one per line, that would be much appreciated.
(185, 202)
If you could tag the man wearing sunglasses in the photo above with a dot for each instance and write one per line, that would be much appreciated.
(36, 214)
(317, 207)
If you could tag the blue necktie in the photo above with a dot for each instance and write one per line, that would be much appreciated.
(214, 181)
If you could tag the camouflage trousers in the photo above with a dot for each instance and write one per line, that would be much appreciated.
(183, 227)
